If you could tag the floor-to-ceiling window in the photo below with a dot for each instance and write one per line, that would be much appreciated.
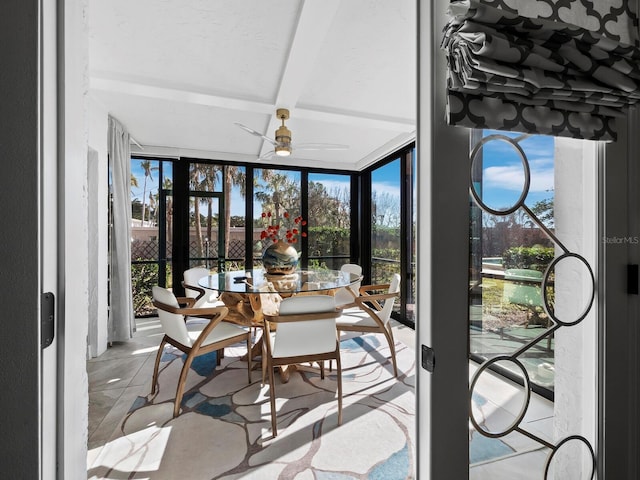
(195, 214)
(389, 226)
(151, 228)
(234, 216)
(276, 202)
(329, 213)
(206, 228)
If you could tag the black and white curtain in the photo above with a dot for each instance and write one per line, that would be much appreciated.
(554, 67)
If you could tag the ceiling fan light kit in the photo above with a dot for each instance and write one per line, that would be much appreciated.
(282, 146)
(283, 135)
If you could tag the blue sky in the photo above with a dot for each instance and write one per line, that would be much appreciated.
(152, 183)
(503, 177)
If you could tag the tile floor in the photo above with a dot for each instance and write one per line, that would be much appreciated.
(123, 373)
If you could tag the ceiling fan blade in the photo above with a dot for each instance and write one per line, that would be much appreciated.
(257, 134)
(320, 146)
(267, 156)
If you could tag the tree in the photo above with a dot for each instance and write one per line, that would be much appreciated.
(146, 166)
(232, 176)
(134, 182)
(544, 211)
(328, 207)
(385, 210)
(152, 206)
(516, 229)
(279, 194)
(202, 177)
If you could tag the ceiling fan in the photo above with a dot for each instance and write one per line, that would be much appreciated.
(283, 147)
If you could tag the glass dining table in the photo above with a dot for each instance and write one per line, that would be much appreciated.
(252, 281)
(249, 293)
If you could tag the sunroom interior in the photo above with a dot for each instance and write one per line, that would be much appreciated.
(183, 90)
(200, 92)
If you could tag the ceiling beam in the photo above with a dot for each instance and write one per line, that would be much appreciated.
(314, 23)
(183, 95)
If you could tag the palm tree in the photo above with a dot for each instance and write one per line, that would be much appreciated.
(194, 181)
(134, 184)
(280, 194)
(203, 177)
(232, 176)
(152, 206)
(146, 166)
(208, 184)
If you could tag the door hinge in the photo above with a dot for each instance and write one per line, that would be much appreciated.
(47, 316)
(428, 358)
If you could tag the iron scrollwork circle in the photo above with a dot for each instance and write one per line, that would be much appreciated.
(525, 167)
(545, 282)
(525, 404)
(564, 442)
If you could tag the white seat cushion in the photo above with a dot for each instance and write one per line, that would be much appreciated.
(223, 331)
(355, 317)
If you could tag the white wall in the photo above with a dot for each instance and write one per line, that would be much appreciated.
(98, 228)
(73, 253)
(575, 213)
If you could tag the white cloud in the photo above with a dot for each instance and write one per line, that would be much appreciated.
(511, 177)
(379, 188)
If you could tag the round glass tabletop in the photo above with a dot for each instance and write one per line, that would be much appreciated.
(254, 281)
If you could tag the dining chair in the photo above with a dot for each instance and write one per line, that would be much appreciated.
(373, 313)
(204, 297)
(194, 338)
(346, 296)
(305, 331)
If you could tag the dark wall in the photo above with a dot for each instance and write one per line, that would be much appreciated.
(19, 292)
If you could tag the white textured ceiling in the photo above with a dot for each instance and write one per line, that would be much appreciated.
(179, 73)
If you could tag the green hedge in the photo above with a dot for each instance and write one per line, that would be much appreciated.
(535, 258)
(143, 277)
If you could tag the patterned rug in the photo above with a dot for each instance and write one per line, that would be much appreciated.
(224, 430)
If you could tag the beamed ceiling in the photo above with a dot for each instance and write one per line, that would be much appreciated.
(179, 73)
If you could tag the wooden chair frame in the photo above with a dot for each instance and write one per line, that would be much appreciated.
(364, 301)
(215, 316)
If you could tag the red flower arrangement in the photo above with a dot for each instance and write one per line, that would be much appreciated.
(272, 231)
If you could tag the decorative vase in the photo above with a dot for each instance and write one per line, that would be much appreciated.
(280, 258)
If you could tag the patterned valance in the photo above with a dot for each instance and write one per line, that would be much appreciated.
(521, 66)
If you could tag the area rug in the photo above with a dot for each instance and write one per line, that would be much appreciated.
(224, 430)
